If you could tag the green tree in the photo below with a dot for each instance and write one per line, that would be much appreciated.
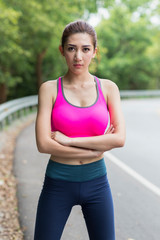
(133, 6)
(123, 48)
(39, 26)
(30, 35)
(153, 53)
(12, 55)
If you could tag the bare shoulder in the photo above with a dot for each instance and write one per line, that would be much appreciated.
(109, 87)
(47, 93)
(108, 84)
(49, 88)
(50, 85)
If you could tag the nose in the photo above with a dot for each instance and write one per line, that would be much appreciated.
(78, 55)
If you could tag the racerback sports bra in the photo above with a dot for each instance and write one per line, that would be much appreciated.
(75, 121)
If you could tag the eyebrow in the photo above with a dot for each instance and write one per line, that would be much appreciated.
(82, 45)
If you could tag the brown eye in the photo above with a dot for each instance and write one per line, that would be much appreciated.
(71, 49)
(86, 49)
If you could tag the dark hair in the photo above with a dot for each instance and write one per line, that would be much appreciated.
(79, 27)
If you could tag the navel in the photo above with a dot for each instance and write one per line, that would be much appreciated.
(80, 162)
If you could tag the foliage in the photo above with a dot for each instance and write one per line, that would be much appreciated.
(153, 52)
(124, 45)
(30, 35)
(32, 40)
(12, 55)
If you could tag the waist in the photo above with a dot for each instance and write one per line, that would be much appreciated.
(76, 173)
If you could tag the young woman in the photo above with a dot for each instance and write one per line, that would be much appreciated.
(79, 118)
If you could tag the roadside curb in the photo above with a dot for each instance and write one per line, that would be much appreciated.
(9, 216)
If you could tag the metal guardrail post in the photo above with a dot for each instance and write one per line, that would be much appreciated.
(16, 108)
(13, 109)
(139, 93)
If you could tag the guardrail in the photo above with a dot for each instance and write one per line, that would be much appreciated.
(16, 108)
(139, 93)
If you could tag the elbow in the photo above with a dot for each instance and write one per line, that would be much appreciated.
(46, 146)
(121, 141)
(42, 147)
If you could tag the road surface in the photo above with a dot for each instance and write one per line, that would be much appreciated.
(137, 206)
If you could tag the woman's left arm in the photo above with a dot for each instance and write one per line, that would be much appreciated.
(107, 141)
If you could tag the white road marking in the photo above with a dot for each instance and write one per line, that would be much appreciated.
(134, 174)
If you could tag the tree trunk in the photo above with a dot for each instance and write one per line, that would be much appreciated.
(3, 92)
(39, 67)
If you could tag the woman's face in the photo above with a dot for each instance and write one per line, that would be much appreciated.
(78, 52)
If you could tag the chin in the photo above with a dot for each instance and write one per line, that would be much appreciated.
(77, 71)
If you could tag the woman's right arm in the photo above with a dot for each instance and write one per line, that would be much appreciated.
(45, 143)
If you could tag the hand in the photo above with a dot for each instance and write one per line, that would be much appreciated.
(97, 153)
(110, 129)
(60, 138)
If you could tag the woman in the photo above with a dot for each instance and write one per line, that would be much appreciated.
(79, 118)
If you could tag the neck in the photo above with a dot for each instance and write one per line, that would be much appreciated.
(78, 78)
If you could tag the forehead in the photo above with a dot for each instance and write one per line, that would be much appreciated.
(80, 39)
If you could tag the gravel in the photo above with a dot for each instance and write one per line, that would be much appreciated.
(10, 228)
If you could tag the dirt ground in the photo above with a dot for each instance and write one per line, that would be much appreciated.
(9, 217)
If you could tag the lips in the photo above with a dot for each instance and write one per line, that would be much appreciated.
(77, 65)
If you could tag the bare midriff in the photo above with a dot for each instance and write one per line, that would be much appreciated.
(78, 161)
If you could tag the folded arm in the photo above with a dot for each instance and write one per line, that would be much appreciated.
(45, 143)
(102, 142)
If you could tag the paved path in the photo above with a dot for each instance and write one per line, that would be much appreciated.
(137, 211)
(29, 168)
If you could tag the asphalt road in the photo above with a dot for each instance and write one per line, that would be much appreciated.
(137, 208)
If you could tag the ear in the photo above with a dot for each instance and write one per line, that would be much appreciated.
(94, 53)
(61, 50)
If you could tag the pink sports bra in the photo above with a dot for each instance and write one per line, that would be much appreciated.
(75, 121)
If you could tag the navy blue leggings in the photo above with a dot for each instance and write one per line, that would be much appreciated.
(59, 196)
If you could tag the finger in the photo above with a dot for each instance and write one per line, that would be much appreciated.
(52, 134)
(109, 129)
(112, 130)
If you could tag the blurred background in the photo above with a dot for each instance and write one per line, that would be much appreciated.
(30, 31)
(129, 54)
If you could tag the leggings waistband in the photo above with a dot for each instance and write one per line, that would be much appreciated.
(76, 173)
